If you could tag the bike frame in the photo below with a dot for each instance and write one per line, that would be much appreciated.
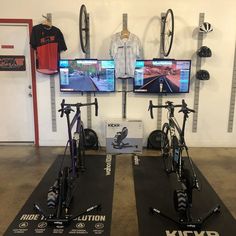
(173, 127)
(73, 141)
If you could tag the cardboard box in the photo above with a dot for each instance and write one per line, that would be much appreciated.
(124, 136)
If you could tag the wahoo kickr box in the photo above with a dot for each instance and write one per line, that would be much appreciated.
(124, 136)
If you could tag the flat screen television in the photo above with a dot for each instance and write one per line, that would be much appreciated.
(87, 75)
(162, 76)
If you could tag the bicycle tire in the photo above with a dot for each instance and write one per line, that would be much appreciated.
(180, 201)
(166, 148)
(167, 34)
(83, 28)
(189, 182)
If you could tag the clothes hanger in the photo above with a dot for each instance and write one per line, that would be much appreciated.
(124, 34)
(47, 22)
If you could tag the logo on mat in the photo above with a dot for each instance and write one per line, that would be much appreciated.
(23, 225)
(99, 225)
(108, 164)
(42, 225)
(191, 233)
(80, 225)
(136, 160)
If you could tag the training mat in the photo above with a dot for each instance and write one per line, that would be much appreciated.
(95, 186)
(154, 188)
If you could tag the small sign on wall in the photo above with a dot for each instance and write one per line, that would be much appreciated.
(7, 46)
(12, 63)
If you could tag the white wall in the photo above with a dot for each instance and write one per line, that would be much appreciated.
(144, 21)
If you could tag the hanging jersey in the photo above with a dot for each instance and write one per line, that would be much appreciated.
(125, 52)
(48, 43)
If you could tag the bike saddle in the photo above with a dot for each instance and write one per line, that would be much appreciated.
(169, 103)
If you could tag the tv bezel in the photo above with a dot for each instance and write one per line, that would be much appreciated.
(87, 91)
(158, 93)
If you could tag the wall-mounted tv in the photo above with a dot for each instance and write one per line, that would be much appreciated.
(87, 75)
(162, 76)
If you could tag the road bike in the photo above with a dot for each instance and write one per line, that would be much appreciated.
(60, 194)
(173, 146)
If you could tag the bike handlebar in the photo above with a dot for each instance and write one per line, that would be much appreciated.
(66, 107)
(170, 105)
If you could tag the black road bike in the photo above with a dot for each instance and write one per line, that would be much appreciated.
(173, 146)
(61, 193)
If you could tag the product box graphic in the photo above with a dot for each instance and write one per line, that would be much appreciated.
(124, 136)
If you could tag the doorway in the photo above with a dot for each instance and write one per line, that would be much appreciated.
(18, 98)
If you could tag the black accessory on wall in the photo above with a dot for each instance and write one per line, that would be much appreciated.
(203, 75)
(205, 27)
(204, 51)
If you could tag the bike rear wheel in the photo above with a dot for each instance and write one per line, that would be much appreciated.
(189, 183)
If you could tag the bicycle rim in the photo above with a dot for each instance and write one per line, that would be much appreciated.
(83, 28)
(167, 32)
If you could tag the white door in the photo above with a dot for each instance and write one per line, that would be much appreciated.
(16, 104)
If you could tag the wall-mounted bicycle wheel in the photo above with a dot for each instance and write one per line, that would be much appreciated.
(167, 32)
(84, 29)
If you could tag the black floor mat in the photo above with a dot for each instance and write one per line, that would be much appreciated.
(95, 186)
(154, 188)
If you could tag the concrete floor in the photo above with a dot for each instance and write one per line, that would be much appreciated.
(22, 167)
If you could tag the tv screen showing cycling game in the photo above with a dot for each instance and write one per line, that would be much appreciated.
(87, 75)
(162, 76)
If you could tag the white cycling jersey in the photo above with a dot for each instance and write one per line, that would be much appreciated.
(125, 52)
